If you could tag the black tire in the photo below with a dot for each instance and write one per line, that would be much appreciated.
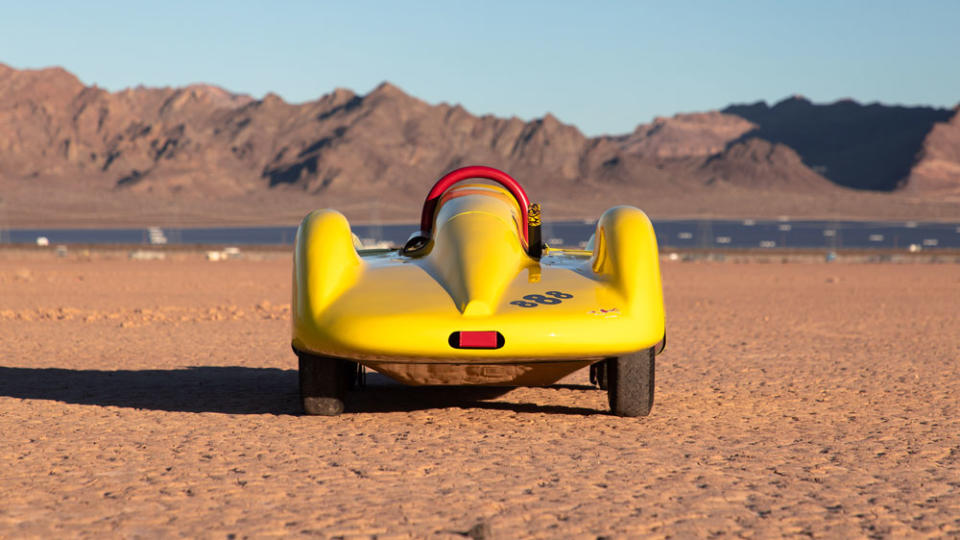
(598, 374)
(630, 382)
(322, 384)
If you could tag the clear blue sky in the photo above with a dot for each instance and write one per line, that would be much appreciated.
(603, 66)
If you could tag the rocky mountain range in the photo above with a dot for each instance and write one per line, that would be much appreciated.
(65, 146)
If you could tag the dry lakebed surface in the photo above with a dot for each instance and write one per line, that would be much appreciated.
(159, 399)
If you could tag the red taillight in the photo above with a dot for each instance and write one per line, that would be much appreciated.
(476, 340)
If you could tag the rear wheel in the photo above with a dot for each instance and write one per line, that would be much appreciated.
(323, 383)
(630, 381)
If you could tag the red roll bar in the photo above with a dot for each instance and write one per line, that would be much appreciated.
(476, 171)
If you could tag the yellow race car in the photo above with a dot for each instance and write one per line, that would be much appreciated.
(476, 298)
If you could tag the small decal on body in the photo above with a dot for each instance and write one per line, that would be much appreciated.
(612, 312)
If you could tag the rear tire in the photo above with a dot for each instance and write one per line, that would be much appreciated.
(630, 383)
(322, 384)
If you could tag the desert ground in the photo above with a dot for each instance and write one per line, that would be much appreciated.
(158, 399)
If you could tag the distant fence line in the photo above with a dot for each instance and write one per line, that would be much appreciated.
(671, 234)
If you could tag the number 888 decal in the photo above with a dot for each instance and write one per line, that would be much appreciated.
(548, 298)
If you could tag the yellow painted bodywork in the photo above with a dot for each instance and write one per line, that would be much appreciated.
(395, 313)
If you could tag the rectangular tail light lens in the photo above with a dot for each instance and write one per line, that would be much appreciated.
(476, 340)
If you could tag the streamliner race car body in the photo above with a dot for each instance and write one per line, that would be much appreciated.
(475, 298)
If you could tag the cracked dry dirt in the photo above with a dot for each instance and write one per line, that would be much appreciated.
(158, 399)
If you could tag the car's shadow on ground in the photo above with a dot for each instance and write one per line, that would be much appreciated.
(384, 395)
(231, 390)
(242, 390)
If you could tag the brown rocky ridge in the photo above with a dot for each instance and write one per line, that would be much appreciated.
(938, 166)
(72, 154)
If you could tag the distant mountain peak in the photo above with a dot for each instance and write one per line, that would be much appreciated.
(796, 100)
(340, 94)
(387, 88)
